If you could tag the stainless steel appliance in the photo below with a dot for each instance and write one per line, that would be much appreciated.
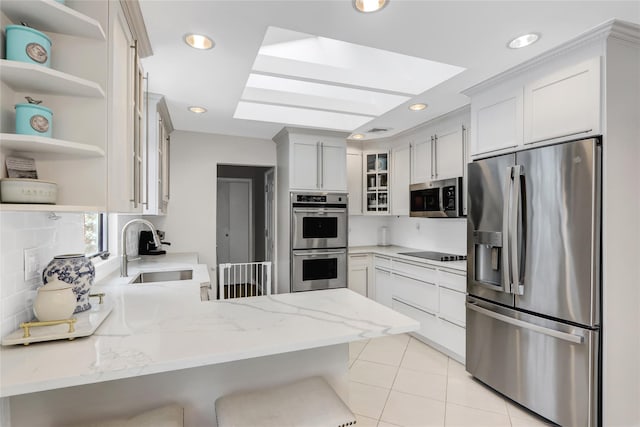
(533, 279)
(318, 220)
(318, 241)
(435, 256)
(436, 199)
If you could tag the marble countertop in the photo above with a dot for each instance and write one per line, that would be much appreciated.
(160, 327)
(395, 252)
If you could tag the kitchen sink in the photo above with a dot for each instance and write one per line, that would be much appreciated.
(163, 276)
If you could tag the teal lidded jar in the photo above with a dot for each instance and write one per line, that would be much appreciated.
(25, 44)
(33, 119)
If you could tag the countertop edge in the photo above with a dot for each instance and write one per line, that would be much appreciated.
(393, 252)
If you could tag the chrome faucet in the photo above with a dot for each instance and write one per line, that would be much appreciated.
(123, 243)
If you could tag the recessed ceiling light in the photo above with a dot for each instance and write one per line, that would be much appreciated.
(198, 41)
(198, 110)
(523, 41)
(357, 136)
(417, 107)
(367, 6)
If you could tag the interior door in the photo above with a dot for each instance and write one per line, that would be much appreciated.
(234, 228)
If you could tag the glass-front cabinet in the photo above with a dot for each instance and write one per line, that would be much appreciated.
(376, 181)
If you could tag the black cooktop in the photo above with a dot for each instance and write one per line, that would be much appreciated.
(436, 256)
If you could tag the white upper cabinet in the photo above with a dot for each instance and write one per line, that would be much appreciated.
(549, 104)
(124, 190)
(304, 167)
(400, 180)
(496, 120)
(334, 165)
(354, 182)
(448, 153)
(563, 103)
(156, 156)
(316, 160)
(421, 160)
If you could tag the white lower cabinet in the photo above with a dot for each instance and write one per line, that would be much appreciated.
(432, 296)
(383, 286)
(358, 277)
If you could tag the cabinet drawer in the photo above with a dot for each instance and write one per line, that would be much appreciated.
(359, 259)
(419, 272)
(428, 322)
(422, 295)
(452, 337)
(457, 282)
(452, 306)
(382, 262)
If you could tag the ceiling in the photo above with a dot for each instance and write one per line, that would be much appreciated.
(468, 34)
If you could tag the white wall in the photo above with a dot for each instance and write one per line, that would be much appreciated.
(430, 234)
(190, 222)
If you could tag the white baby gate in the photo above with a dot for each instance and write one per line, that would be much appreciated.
(246, 279)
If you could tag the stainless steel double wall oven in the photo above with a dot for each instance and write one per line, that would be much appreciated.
(318, 241)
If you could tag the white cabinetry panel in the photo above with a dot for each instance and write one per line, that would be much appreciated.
(384, 285)
(496, 120)
(354, 182)
(452, 306)
(421, 161)
(422, 295)
(457, 282)
(304, 165)
(400, 180)
(448, 153)
(564, 103)
(334, 167)
(359, 271)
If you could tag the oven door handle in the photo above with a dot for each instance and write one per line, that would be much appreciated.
(319, 253)
(321, 211)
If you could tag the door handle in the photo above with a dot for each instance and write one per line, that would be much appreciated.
(565, 336)
(516, 287)
(435, 156)
(506, 236)
(319, 253)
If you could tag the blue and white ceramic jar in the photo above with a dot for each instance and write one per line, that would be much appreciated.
(76, 270)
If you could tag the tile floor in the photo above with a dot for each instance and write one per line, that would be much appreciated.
(400, 381)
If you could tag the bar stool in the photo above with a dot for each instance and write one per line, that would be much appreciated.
(309, 402)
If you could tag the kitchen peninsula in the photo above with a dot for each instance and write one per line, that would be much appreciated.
(163, 344)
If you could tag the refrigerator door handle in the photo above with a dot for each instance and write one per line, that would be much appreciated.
(506, 234)
(576, 339)
(515, 248)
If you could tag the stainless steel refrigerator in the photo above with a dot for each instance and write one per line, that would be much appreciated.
(533, 279)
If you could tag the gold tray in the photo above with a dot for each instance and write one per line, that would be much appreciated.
(82, 325)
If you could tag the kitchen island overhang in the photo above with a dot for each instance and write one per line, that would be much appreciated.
(161, 341)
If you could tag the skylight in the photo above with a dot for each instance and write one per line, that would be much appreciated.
(298, 77)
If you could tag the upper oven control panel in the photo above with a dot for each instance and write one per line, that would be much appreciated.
(319, 198)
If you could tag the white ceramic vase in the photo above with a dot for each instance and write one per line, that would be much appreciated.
(55, 301)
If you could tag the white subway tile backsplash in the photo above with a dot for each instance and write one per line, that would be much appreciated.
(22, 230)
(65, 235)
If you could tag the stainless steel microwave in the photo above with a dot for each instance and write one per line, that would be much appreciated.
(437, 199)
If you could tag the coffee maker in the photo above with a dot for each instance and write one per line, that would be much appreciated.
(146, 245)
